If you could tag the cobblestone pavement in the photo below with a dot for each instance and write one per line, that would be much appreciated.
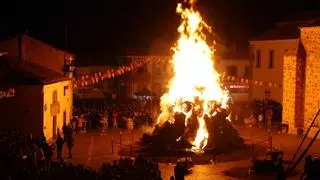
(93, 148)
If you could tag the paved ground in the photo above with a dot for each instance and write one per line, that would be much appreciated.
(94, 148)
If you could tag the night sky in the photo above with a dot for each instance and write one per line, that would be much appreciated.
(99, 30)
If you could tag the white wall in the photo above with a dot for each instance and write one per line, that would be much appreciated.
(65, 101)
(274, 75)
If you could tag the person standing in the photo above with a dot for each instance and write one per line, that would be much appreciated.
(115, 119)
(69, 140)
(260, 119)
(59, 143)
(178, 172)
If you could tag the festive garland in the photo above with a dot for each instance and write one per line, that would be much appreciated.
(225, 78)
(88, 79)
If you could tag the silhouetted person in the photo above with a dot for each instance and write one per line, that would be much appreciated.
(59, 143)
(179, 172)
(307, 167)
(280, 169)
(65, 131)
(172, 178)
(42, 139)
(69, 140)
(48, 153)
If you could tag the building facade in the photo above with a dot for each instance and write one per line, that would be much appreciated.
(296, 67)
(300, 85)
(43, 101)
(236, 66)
(156, 74)
(268, 65)
(100, 89)
(153, 76)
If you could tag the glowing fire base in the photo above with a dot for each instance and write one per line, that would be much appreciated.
(173, 139)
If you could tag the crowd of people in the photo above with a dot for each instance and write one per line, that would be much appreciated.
(111, 116)
(27, 157)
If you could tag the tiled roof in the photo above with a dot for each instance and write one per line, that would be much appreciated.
(28, 73)
(288, 27)
(279, 33)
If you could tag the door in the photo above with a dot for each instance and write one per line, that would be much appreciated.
(54, 127)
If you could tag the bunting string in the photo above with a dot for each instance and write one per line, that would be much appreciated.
(89, 79)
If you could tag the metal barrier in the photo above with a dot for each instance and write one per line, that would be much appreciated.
(267, 143)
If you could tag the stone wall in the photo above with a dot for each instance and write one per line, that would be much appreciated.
(289, 89)
(310, 38)
(300, 87)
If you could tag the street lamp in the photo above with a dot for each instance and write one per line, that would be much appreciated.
(267, 108)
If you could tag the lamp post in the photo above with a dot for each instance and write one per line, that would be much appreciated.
(266, 105)
(268, 114)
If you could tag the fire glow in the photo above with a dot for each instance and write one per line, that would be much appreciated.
(195, 80)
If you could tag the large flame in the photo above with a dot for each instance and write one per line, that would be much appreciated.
(195, 80)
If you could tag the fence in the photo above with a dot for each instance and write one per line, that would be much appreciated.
(122, 145)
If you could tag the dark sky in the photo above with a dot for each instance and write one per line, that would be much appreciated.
(103, 28)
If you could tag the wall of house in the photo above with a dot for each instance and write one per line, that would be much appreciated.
(310, 38)
(42, 54)
(159, 76)
(36, 52)
(264, 73)
(23, 111)
(154, 75)
(64, 97)
(289, 90)
(240, 64)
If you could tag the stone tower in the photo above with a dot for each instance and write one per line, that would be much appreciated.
(301, 82)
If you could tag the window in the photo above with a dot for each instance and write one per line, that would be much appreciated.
(65, 89)
(64, 117)
(258, 58)
(54, 96)
(232, 70)
(271, 58)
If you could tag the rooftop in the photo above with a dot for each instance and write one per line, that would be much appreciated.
(279, 33)
(288, 27)
(27, 73)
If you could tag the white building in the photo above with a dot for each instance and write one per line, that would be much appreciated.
(40, 75)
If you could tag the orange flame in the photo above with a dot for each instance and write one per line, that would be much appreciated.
(195, 80)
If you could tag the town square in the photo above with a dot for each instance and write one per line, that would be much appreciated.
(155, 90)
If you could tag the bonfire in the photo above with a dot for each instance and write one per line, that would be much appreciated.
(195, 106)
